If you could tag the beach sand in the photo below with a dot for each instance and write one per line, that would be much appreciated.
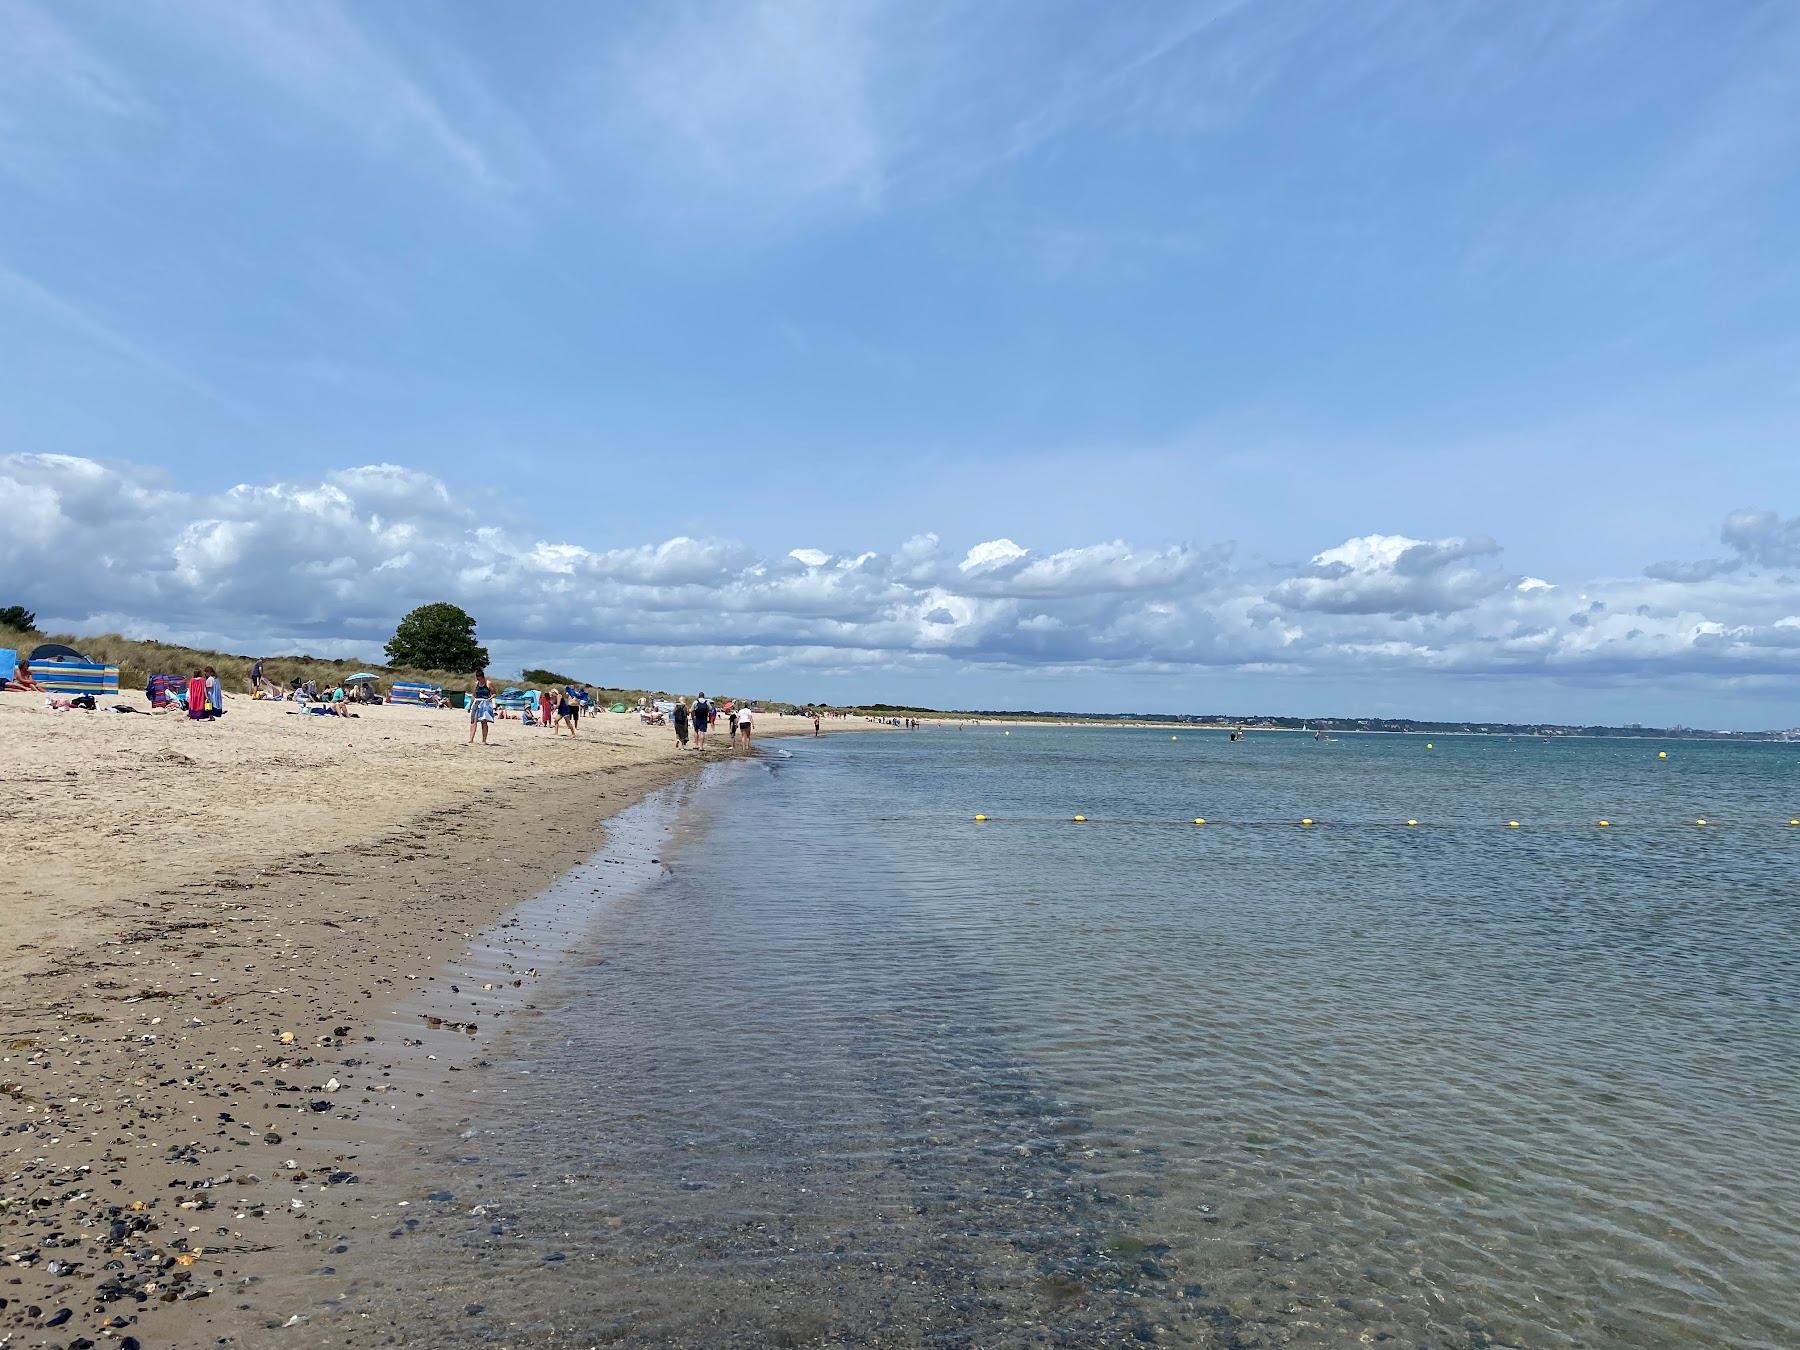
(196, 917)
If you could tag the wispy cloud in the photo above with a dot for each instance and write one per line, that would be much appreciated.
(82, 323)
(769, 104)
(52, 82)
(322, 58)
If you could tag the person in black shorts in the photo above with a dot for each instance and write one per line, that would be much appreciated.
(703, 715)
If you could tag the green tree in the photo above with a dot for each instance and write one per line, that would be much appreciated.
(440, 636)
(17, 616)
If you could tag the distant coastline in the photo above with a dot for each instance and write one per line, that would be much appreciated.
(1333, 725)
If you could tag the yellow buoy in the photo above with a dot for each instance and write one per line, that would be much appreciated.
(1512, 824)
(1306, 820)
(1174, 738)
(1603, 823)
(1201, 820)
(1794, 822)
(1079, 819)
(1662, 754)
(1430, 746)
(981, 817)
(1701, 821)
(1412, 822)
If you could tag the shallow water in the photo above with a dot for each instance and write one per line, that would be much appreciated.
(859, 1069)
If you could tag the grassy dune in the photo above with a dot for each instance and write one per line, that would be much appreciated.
(137, 660)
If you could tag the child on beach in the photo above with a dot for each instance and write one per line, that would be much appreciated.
(196, 696)
(680, 718)
(215, 694)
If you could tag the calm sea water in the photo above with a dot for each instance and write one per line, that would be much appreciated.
(862, 1070)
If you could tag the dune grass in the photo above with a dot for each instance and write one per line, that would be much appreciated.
(137, 660)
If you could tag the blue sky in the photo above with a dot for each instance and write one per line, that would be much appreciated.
(1302, 357)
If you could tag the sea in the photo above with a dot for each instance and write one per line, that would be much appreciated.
(1451, 1065)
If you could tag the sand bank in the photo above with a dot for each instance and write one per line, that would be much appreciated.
(193, 915)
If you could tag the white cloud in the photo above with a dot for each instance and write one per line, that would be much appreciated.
(330, 564)
(993, 553)
(1392, 574)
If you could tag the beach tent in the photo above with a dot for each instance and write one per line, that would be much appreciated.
(617, 707)
(514, 700)
(75, 677)
(55, 651)
(417, 694)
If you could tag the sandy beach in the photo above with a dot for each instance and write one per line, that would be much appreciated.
(196, 916)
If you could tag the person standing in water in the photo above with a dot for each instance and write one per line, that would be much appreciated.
(702, 720)
(815, 721)
(680, 718)
(731, 728)
(481, 707)
(744, 718)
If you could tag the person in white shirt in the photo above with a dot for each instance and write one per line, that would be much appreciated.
(743, 724)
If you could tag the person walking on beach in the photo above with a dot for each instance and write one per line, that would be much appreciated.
(744, 718)
(680, 718)
(702, 720)
(481, 707)
(568, 712)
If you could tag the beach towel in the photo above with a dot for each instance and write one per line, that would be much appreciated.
(9, 662)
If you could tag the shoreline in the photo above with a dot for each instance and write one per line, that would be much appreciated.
(163, 1027)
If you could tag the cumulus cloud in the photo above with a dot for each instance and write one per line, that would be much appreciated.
(334, 562)
(1763, 537)
(1392, 574)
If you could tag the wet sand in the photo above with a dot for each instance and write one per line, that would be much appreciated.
(202, 924)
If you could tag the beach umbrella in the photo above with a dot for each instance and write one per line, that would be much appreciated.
(362, 677)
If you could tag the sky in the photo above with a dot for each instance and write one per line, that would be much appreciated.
(1438, 360)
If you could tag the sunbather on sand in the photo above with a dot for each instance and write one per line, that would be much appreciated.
(21, 679)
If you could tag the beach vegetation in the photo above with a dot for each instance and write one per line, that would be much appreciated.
(440, 636)
(17, 616)
(540, 676)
